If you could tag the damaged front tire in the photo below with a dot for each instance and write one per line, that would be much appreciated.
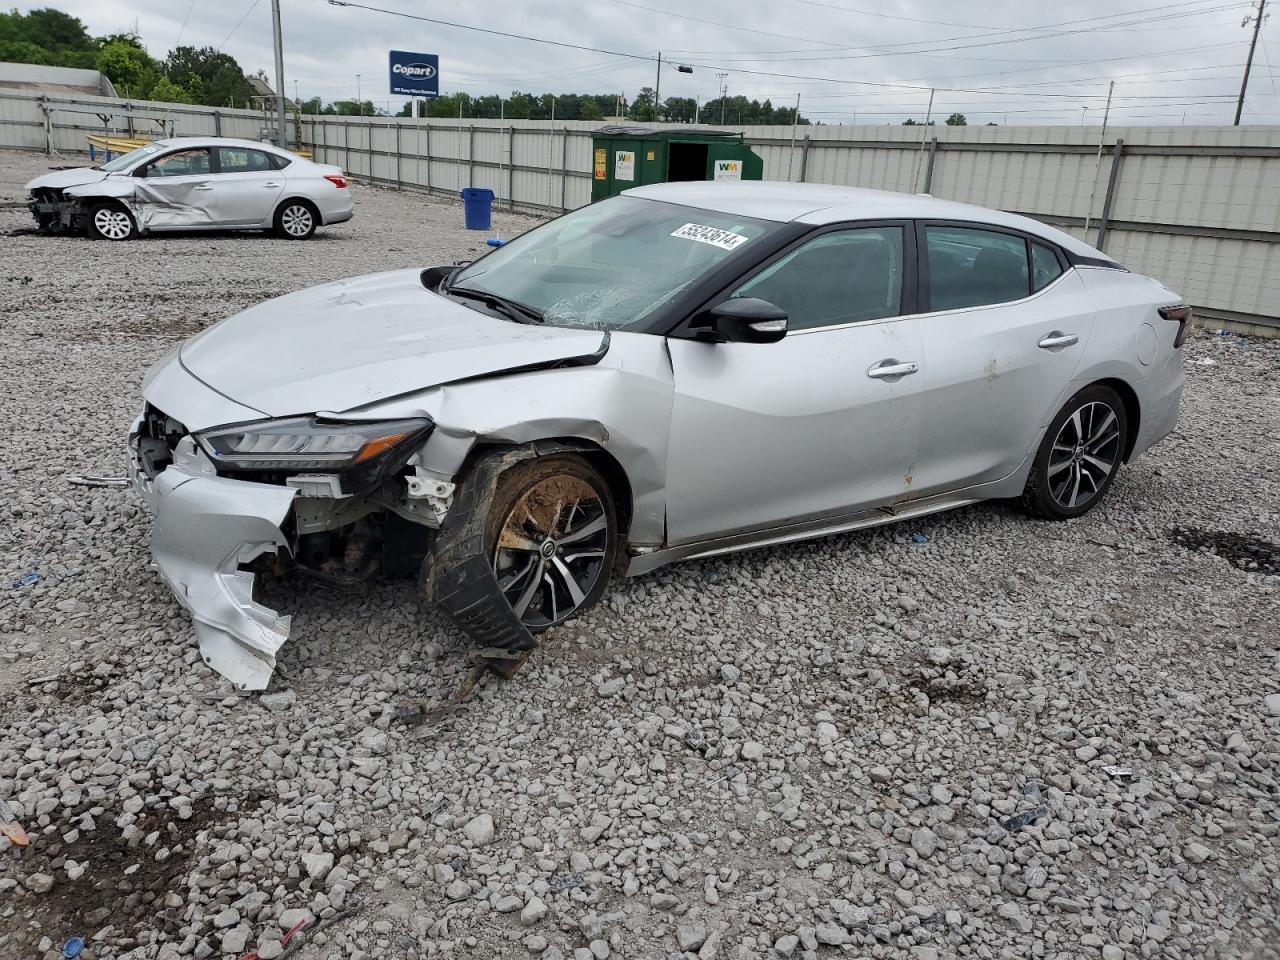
(527, 544)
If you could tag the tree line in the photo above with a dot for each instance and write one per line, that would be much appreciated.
(186, 74)
(212, 78)
(573, 106)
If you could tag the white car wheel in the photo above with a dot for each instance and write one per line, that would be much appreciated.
(111, 222)
(296, 221)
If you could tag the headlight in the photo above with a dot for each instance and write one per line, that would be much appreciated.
(305, 443)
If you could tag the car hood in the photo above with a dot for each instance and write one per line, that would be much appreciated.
(354, 342)
(61, 179)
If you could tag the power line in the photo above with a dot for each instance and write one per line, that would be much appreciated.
(881, 49)
(239, 22)
(705, 66)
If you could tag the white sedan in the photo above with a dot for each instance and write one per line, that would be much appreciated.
(193, 183)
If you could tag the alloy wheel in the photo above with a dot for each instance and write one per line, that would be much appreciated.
(1084, 454)
(296, 220)
(112, 224)
(551, 550)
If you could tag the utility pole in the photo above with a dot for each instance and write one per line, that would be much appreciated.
(791, 154)
(1097, 167)
(359, 101)
(657, 87)
(724, 94)
(1248, 64)
(281, 133)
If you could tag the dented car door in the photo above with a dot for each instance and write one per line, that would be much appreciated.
(175, 190)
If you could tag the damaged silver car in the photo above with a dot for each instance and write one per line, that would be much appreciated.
(681, 371)
(193, 183)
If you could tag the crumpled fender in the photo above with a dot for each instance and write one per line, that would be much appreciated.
(205, 529)
(114, 187)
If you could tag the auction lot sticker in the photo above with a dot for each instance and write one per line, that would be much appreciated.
(724, 239)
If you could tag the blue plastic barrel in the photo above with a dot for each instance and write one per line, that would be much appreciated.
(477, 207)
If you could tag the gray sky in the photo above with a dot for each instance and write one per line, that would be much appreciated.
(1010, 62)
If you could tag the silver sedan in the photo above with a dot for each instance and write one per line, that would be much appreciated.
(681, 371)
(193, 183)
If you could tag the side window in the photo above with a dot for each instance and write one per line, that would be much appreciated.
(183, 163)
(840, 277)
(243, 160)
(970, 267)
(278, 162)
(1045, 267)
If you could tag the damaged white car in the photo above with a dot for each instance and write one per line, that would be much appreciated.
(681, 371)
(193, 183)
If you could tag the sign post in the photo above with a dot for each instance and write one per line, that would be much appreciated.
(414, 74)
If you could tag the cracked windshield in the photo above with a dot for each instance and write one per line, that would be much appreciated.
(609, 266)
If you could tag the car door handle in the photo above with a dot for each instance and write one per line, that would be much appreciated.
(271, 184)
(202, 186)
(887, 369)
(1058, 339)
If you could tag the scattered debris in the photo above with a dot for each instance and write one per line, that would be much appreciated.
(26, 580)
(1014, 824)
(72, 947)
(91, 481)
(919, 538)
(566, 881)
(10, 828)
(1121, 773)
(1204, 362)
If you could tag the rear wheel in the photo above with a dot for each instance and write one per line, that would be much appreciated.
(296, 220)
(1079, 456)
(111, 221)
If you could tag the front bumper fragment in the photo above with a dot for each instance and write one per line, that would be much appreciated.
(206, 529)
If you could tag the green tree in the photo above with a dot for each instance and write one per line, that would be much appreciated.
(165, 90)
(642, 107)
(590, 110)
(222, 82)
(957, 120)
(131, 70)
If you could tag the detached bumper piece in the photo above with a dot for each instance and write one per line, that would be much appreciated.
(206, 530)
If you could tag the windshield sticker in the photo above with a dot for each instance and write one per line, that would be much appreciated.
(724, 239)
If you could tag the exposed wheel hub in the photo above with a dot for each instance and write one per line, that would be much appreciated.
(551, 550)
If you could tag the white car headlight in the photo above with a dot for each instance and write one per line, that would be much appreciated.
(305, 443)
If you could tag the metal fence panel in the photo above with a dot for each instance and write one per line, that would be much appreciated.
(1199, 208)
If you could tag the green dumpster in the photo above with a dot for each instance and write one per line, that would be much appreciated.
(631, 156)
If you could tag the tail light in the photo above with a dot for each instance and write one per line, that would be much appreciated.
(337, 179)
(1182, 315)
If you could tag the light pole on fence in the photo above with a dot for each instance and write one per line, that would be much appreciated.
(281, 133)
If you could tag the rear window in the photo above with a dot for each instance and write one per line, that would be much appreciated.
(970, 267)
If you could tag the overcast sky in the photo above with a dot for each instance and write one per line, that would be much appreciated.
(863, 61)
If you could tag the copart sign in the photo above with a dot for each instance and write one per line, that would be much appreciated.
(415, 74)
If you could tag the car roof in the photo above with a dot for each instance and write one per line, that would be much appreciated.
(821, 203)
(223, 142)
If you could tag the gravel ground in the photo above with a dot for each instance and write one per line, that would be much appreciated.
(1016, 739)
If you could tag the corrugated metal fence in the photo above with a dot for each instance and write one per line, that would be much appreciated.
(1197, 207)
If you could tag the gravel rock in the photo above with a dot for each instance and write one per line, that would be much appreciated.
(479, 830)
(691, 936)
(317, 865)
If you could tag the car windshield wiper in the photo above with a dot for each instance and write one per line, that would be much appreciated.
(512, 309)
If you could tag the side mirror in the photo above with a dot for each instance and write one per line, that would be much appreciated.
(742, 320)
